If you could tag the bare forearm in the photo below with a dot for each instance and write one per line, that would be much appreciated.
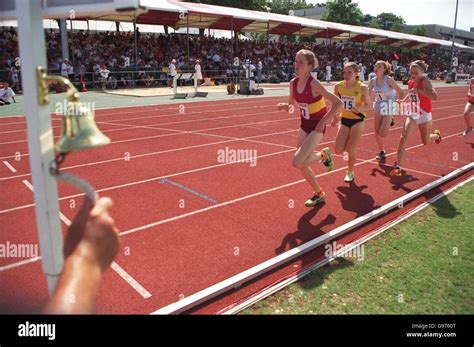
(333, 112)
(77, 288)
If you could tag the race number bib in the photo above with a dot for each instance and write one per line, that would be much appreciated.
(348, 101)
(414, 107)
(304, 110)
(380, 96)
(413, 97)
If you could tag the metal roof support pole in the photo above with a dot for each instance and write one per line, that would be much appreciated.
(187, 36)
(64, 39)
(72, 44)
(401, 53)
(454, 38)
(327, 43)
(135, 40)
(268, 43)
(232, 35)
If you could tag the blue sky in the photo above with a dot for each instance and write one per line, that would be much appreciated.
(421, 11)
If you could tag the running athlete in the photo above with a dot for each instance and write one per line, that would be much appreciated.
(386, 90)
(309, 95)
(356, 102)
(420, 94)
(469, 108)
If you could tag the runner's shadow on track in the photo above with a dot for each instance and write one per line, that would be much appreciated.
(354, 199)
(316, 278)
(443, 207)
(397, 182)
(306, 231)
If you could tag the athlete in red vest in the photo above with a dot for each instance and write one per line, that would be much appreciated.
(420, 94)
(309, 95)
(469, 108)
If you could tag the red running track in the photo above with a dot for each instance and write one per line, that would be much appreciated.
(189, 221)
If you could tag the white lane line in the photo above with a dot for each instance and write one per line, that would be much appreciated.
(9, 166)
(131, 126)
(198, 211)
(130, 280)
(19, 263)
(408, 169)
(199, 132)
(116, 267)
(65, 220)
(28, 184)
(441, 91)
(246, 197)
(178, 174)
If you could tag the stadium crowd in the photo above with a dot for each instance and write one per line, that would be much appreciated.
(108, 58)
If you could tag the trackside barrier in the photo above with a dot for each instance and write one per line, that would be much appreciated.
(249, 274)
(233, 309)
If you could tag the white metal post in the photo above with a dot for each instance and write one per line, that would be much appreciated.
(40, 139)
(64, 38)
(175, 84)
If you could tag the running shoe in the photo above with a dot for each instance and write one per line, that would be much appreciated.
(328, 162)
(396, 171)
(467, 131)
(349, 176)
(316, 199)
(438, 140)
(381, 155)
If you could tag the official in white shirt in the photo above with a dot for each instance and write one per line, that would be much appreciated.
(5, 94)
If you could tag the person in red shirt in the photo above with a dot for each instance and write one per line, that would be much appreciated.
(309, 95)
(469, 108)
(420, 94)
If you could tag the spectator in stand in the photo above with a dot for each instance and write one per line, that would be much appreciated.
(172, 73)
(328, 72)
(104, 76)
(197, 69)
(5, 94)
(65, 68)
(14, 77)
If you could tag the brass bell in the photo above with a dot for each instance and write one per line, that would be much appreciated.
(79, 130)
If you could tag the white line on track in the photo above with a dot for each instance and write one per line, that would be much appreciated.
(131, 126)
(225, 203)
(200, 132)
(441, 91)
(197, 211)
(9, 166)
(117, 268)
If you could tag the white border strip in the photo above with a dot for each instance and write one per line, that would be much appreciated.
(249, 274)
(286, 282)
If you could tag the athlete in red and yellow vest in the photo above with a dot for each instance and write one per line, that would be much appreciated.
(420, 95)
(308, 95)
(312, 108)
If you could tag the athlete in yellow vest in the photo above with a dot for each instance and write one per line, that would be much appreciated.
(356, 102)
